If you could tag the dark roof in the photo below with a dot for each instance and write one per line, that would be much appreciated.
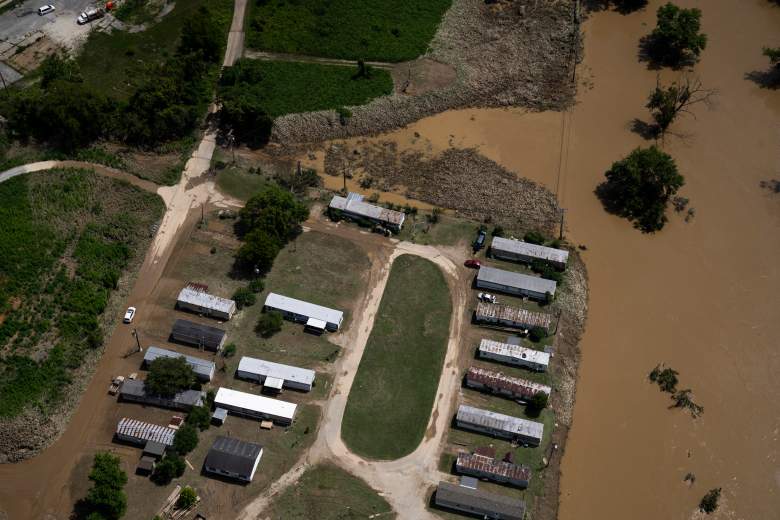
(146, 464)
(154, 448)
(480, 501)
(196, 334)
(135, 389)
(233, 455)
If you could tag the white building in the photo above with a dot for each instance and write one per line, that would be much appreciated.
(499, 425)
(516, 284)
(514, 355)
(519, 251)
(255, 406)
(315, 316)
(352, 206)
(140, 432)
(275, 375)
(194, 299)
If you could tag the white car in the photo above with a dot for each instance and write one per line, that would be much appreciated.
(46, 9)
(129, 315)
(485, 297)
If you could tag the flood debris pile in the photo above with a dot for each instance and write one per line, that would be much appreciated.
(459, 179)
(506, 53)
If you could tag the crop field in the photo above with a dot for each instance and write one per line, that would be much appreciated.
(395, 386)
(326, 492)
(282, 87)
(381, 30)
(66, 238)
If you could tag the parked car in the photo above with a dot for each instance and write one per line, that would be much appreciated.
(89, 15)
(473, 263)
(486, 297)
(129, 315)
(46, 9)
(479, 243)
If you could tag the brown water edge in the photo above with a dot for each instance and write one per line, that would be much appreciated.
(702, 297)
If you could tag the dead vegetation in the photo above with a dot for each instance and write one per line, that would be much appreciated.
(505, 53)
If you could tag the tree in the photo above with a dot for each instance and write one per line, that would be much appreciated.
(363, 70)
(243, 116)
(186, 439)
(201, 33)
(169, 376)
(666, 103)
(187, 498)
(200, 417)
(773, 54)
(269, 324)
(172, 466)
(275, 211)
(106, 471)
(676, 38)
(244, 297)
(709, 503)
(534, 237)
(639, 187)
(105, 500)
(666, 378)
(537, 334)
(109, 503)
(59, 66)
(683, 399)
(538, 401)
(258, 251)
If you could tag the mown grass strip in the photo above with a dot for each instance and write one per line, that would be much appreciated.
(395, 386)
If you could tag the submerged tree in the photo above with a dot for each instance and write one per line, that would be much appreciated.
(709, 503)
(682, 399)
(773, 53)
(666, 378)
(666, 103)
(676, 38)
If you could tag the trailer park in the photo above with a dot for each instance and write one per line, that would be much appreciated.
(265, 394)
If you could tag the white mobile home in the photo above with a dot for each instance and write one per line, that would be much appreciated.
(499, 425)
(519, 251)
(140, 432)
(304, 312)
(516, 284)
(194, 299)
(514, 355)
(255, 406)
(515, 317)
(352, 206)
(261, 371)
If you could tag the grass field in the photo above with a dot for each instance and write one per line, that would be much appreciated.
(284, 87)
(119, 61)
(395, 386)
(239, 184)
(382, 30)
(449, 231)
(326, 492)
(66, 238)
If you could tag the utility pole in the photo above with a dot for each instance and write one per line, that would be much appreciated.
(560, 233)
(137, 341)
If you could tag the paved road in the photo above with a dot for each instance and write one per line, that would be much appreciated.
(24, 19)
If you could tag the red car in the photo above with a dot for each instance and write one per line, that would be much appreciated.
(474, 264)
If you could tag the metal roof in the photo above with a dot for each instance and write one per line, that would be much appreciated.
(197, 333)
(276, 370)
(479, 463)
(199, 366)
(137, 388)
(526, 249)
(234, 456)
(144, 431)
(354, 204)
(203, 299)
(515, 280)
(505, 506)
(226, 398)
(500, 422)
(517, 315)
(499, 381)
(311, 310)
(514, 351)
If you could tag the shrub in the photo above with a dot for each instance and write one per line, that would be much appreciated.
(498, 231)
(256, 285)
(229, 350)
(537, 334)
(709, 503)
(269, 324)
(187, 498)
(244, 297)
(168, 376)
(534, 237)
(186, 439)
(172, 466)
(538, 401)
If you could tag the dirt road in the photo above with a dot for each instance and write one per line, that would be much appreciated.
(235, 43)
(97, 168)
(280, 56)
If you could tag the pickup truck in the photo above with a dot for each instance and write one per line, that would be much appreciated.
(89, 15)
(116, 384)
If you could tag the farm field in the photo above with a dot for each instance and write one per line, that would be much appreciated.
(67, 238)
(326, 492)
(394, 389)
(283, 87)
(396, 30)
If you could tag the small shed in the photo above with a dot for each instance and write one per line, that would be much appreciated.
(145, 466)
(154, 449)
(198, 335)
(219, 416)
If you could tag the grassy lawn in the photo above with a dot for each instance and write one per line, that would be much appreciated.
(382, 30)
(67, 238)
(449, 231)
(326, 492)
(287, 87)
(395, 386)
(119, 61)
(239, 184)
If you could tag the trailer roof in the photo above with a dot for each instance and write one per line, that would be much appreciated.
(491, 465)
(499, 421)
(145, 431)
(201, 298)
(516, 280)
(516, 351)
(255, 403)
(311, 310)
(500, 381)
(481, 500)
(518, 315)
(354, 204)
(527, 249)
(276, 370)
(198, 332)
(199, 366)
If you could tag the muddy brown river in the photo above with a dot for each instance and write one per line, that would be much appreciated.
(703, 297)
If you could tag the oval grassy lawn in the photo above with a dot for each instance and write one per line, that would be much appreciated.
(395, 386)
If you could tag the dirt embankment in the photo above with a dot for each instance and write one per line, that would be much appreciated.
(507, 53)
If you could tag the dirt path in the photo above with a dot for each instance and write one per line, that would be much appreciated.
(235, 43)
(97, 168)
(301, 58)
(404, 483)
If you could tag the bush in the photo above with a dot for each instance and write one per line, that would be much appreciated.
(229, 350)
(537, 334)
(534, 237)
(256, 285)
(709, 503)
(640, 186)
(169, 376)
(199, 417)
(187, 498)
(172, 466)
(269, 324)
(498, 231)
(676, 38)
(186, 439)
(538, 402)
(244, 297)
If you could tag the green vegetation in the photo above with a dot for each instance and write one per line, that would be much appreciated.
(239, 184)
(200, 416)
(327, 492)
(172, 466)
(169, 376)
(676, 39)
(244, 297)
(665, 377)
(709, 503)
(395, 30)
(185, 440)
(106, 500)
(639, 187)
(395, 386)
(537, 403)
(534, 237)
(666, 103)
(187, 498)
(437, 229)
(136, 11)
(67, 236)
(229, 350)
(269, 323)
(773, 53)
